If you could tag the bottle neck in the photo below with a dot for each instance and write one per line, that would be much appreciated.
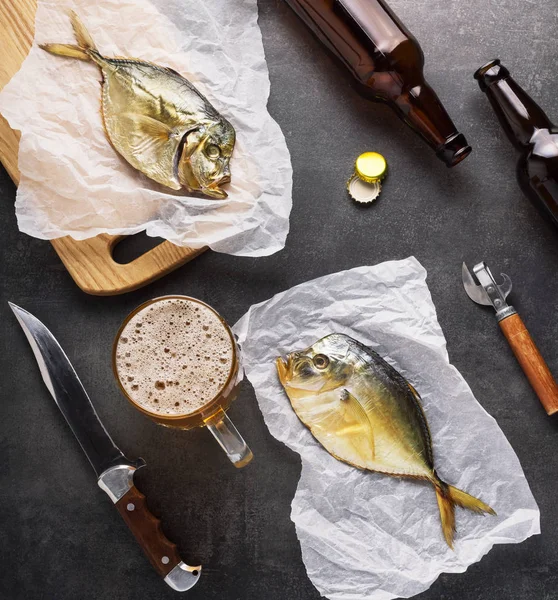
(520, 116)
(386, 61)
(423, 111)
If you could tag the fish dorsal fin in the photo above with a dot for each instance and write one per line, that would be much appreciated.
(423, 422)
(357, 425)
(115, 61)
(415, 393)
(172, 72)
(128, 60)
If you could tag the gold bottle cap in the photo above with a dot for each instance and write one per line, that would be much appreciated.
(364, 186)
(371, 167)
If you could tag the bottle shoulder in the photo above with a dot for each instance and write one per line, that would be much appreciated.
(544, 144)
(540, 160)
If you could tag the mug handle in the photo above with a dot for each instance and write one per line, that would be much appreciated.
(229, 439)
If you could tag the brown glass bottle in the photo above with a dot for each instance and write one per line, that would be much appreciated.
(387, 62)
(531, 131)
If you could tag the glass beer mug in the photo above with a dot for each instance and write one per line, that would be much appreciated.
(176, 360)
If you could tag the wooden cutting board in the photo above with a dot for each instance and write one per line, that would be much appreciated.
(89, 262)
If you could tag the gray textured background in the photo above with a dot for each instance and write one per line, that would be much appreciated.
(59, 536)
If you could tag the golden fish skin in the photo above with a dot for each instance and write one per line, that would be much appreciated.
(158, 121)
(365, 413)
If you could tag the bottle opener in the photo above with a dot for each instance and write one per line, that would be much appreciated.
(489, 293)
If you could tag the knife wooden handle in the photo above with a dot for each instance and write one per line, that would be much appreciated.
(531, 362)
(161, 552)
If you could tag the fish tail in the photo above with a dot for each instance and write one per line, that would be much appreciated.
(67, 50)
(85, 48)
(447, 510)
(448, 498)
(83, 38)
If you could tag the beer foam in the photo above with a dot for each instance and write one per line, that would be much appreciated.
(174, 356)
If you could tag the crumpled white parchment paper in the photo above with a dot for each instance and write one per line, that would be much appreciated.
(365, 535)
(74, 183)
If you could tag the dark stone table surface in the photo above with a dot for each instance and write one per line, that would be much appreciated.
(60, 537)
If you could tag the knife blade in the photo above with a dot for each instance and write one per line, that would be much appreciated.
(114, 471)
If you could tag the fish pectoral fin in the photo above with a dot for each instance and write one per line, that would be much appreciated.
(148, 137)
(151, 146)
(357, 426)
(149, 127)
(351, 429)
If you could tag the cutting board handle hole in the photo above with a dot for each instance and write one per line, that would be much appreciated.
(133, 246)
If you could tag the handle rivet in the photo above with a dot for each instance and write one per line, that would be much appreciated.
(490, 289)
(131, 507)
(165, 560)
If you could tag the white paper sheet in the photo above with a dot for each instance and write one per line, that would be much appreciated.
(74, 183)
(366, 536)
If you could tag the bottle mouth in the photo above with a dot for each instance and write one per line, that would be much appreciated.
(490, 73)
(454, 150)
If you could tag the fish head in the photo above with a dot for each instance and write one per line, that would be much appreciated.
(324, 366)
(204, 164)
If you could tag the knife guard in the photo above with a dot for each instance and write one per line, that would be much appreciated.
(531, 361)
(146, 528)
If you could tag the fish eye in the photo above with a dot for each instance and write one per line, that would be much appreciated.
(213, 151)
(321, 361)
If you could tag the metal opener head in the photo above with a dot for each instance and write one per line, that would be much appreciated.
(487, 291)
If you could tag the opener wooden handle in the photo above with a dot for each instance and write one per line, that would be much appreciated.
(531, 362)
